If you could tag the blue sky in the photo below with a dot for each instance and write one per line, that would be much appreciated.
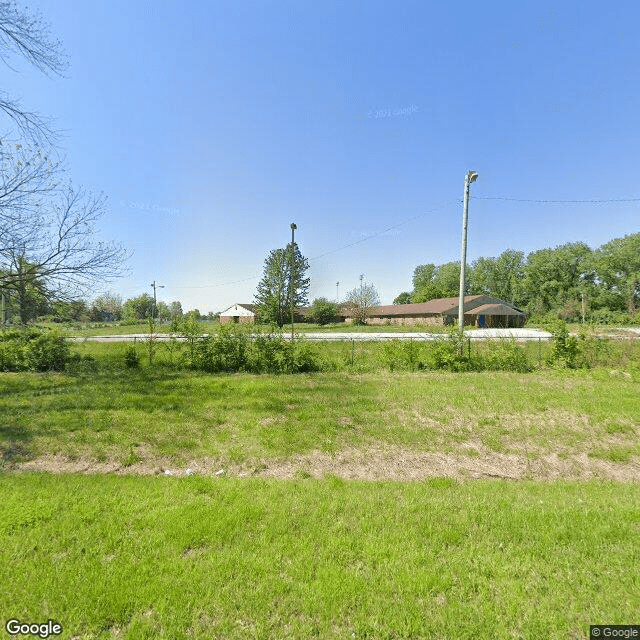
(211, 126)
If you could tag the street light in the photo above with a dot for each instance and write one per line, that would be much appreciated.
(468, 179)
(291, 273)
(155, 306)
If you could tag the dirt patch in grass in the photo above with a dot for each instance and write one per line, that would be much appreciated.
(372, 463)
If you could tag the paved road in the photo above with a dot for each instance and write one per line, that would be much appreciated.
(476, 334)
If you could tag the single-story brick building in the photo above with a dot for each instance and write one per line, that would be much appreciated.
(479, 310)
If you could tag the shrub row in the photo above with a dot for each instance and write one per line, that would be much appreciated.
(232, 349)
(453, 353)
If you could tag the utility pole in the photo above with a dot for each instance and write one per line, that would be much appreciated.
(361, 277)
(291, 272)
(468, 179)
(337, 292)
(155, 303)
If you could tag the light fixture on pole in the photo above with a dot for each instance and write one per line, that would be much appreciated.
(291, 273)
(468, 179)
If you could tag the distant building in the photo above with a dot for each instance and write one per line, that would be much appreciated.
(480, 311)
(239, 313)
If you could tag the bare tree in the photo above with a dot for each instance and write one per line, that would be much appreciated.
(27, 35)
(28, 179)
(59, 249)
(360, 301)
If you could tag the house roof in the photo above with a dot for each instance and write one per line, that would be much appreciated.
(495, 310)
(431, 308)
(251, 308)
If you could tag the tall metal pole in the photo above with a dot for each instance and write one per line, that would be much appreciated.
(468, 179)
(291, 273)
(337, 291)
(361, 277)
(155, 304)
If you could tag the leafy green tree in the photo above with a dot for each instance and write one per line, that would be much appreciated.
(274, 292)
(617, 267)
(71, 310)
(443, 281)
(163, 311)
(324, 311)
(555, 277)
(403, 298)
(360, 301)
(137, 308)
(500, 277)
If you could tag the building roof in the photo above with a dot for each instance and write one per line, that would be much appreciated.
(495, 310)
(251, 308)
(431, 308)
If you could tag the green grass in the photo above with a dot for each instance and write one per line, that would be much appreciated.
(131, 416)
(205, 558)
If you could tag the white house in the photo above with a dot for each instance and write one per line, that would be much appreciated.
(239, 313)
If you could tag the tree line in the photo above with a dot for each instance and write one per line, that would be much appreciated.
(571, 281)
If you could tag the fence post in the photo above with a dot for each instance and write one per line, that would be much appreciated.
(539, 351)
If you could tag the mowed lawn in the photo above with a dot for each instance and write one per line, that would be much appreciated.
(220, 558)
(152, 418)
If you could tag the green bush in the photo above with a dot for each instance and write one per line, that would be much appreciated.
(271, 353)
(307, 358)
(403, 355)
(33, 350)
(565, 348)
(226, 350)
(452, 353)
(131, 357)
(323, 311)
(617, 318)
(503, 355)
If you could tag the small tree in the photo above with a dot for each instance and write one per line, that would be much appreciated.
(274, 294)
(360, 300)
(323, 311)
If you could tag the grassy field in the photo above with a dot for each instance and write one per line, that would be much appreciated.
(155, 418)
(206, 558)
(359, 503)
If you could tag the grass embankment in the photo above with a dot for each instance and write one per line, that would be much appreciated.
(149, 420)
(205, 558)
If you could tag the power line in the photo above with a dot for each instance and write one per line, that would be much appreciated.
(608, 201)
(342, 248)
(391, 228)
